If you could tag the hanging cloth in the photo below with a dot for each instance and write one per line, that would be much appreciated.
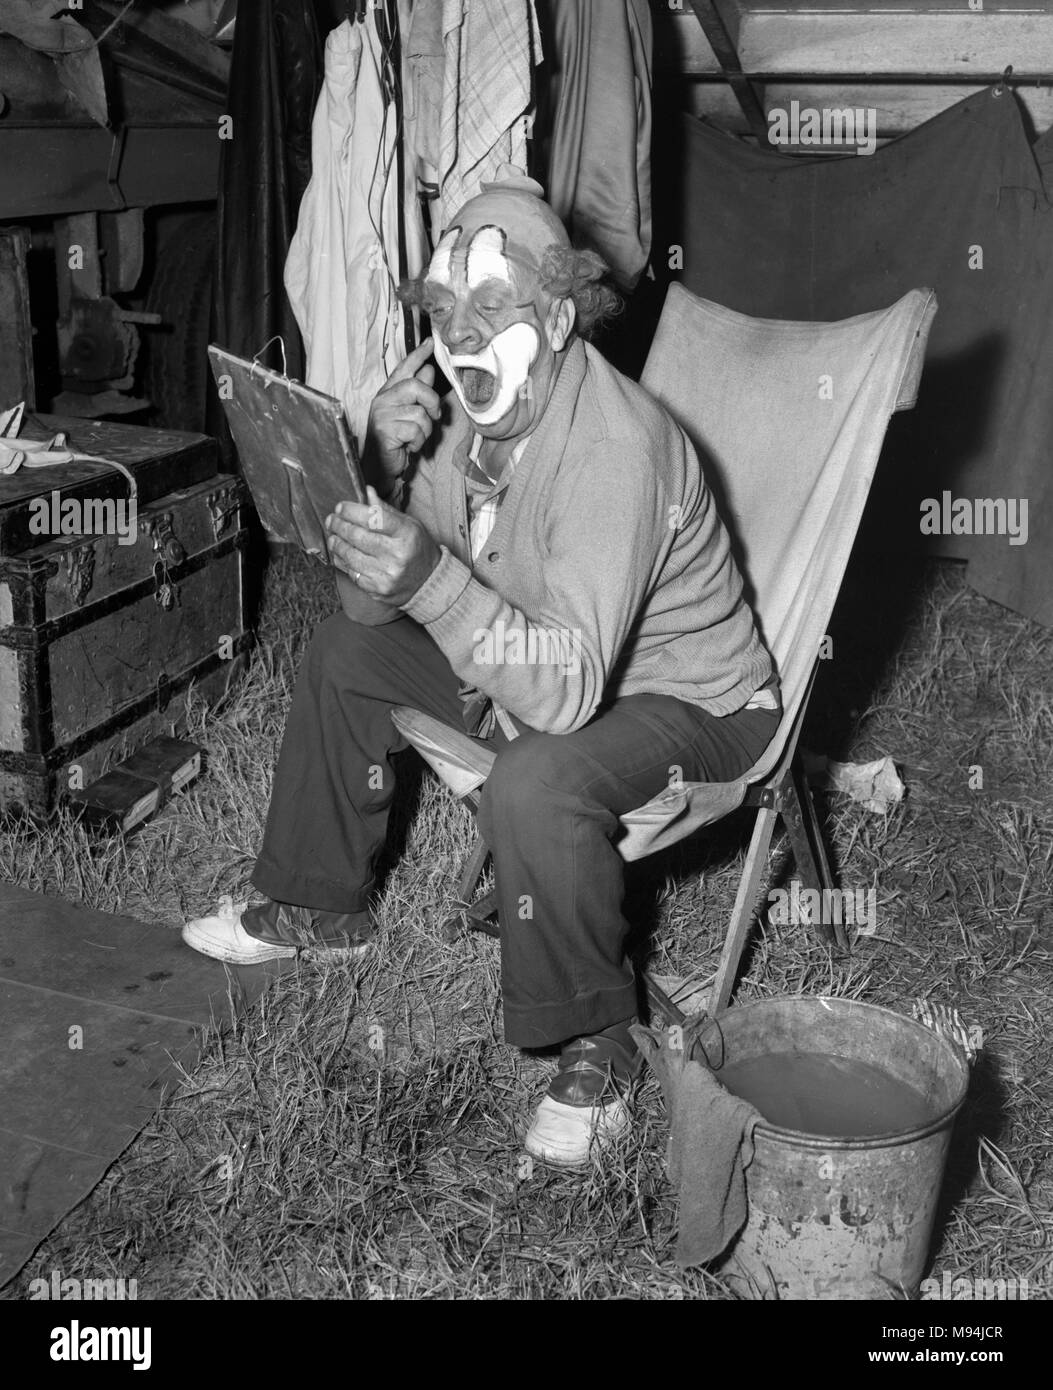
(275, 77)
(487, 94)
(958, 204)
(599, 175)
(344, 265)
(425, 61)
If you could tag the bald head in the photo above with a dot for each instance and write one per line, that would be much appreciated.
(504, 231)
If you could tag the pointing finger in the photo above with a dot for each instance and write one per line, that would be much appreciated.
(411, 364)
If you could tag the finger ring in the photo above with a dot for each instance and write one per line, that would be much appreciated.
(358, 575)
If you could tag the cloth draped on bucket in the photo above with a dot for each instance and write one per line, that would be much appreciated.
(958, 204)
(710, 1144)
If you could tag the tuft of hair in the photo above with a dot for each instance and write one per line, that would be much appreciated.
(581, 275)
(411, 292)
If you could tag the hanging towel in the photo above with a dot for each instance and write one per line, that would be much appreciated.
(342, 271)
(487, 93)
(599, 174)
(710, 1145)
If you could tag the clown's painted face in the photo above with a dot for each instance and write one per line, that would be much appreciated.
(496, 332)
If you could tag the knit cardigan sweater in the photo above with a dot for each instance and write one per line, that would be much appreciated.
(608, 572)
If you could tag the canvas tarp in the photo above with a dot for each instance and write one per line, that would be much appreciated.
(958, 204)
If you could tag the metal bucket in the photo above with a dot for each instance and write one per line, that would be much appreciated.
(840, 1218)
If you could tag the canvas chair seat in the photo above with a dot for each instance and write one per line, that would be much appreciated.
(788, 420)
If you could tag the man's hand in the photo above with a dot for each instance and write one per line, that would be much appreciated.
(404, 411)
(388, 554)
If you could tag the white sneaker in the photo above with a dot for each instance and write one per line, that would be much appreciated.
(564, 1135)
(224, 938)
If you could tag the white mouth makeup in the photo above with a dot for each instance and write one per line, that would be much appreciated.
(506, 359)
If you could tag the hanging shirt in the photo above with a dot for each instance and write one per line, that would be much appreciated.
(343, 265)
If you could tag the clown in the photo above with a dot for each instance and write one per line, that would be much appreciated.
(498, 335)
(504, 292)
(533, 498)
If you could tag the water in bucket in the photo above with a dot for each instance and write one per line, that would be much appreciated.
(816, 1093)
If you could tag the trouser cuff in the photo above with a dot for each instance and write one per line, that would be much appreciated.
(547, 1024)
(322, 894)
(279, 924)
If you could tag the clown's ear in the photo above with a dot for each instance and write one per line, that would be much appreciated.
(559, 325)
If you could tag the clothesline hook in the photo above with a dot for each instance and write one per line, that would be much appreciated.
(1005, 78)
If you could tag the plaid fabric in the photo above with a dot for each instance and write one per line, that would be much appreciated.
(490, 49)
(485, 496)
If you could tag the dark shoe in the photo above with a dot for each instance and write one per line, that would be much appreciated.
(594, 1069)
(309, 928)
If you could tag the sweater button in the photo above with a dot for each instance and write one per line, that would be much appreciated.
(493, 555)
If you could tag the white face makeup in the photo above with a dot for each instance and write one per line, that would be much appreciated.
(488, 380)
(507, 359)
(439, 269)
(486, 258)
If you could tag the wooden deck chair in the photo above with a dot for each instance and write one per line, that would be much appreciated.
(788, 420)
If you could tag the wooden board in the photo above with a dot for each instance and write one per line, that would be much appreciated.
(16, 330)
(141, 998)
(961, 44)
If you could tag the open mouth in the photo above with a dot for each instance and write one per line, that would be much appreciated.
(478, 385)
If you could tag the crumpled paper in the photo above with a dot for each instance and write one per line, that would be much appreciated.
(876, 785)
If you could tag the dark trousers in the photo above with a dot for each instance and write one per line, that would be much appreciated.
(549, 812)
